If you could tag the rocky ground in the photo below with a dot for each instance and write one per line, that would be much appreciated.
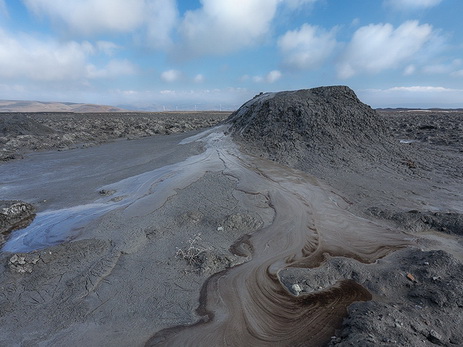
(376, 196)
(25, 132)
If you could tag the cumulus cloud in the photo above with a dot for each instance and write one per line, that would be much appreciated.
(217, 27)
(224, 26)
(90, 17)
(377, 47)
(411, 4)
(29, 58)
(161, 18)
(273, 76)
(171, 75)
(306, 47)
(106, 47)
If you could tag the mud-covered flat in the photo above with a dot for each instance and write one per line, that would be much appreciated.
(26, 132)
(213, 238)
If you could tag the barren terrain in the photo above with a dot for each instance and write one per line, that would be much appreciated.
(306, 218)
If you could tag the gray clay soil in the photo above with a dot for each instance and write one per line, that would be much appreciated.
(306, 219)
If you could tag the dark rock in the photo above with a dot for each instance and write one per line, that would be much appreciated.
(14, 215)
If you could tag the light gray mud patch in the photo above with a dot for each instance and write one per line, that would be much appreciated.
(153, 287)
(43, 292)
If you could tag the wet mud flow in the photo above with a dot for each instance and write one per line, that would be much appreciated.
(249, 304)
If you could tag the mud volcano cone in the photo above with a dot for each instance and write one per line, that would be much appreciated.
(320, 124)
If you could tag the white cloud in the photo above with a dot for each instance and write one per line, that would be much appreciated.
(419, 89)
(273, 76)
(411, 4)
(307, 47)
(91, 16)
(106, 47)
(26, 57)
(378, 47)
(224, 26)
(171, 75)
(199, 78)
(161, 18)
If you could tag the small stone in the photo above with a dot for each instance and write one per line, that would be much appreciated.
(435, 337)
(296, 288)
(35, 260)
(21, 260)
(411, 277)
(220, 229)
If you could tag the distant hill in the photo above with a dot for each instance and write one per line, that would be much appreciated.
(40, 106)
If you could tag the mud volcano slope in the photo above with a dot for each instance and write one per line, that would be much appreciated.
(326, 125)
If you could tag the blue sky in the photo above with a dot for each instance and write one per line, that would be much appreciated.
(210, 54)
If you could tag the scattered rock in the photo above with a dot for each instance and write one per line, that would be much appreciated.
(23, 263)
(296, 288)
(14, 215)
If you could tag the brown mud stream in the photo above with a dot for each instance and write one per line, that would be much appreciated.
(249, 304)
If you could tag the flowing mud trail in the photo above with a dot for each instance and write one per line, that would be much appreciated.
(248, 304)
(134, 196)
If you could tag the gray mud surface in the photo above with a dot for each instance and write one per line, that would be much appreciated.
(309, 219)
